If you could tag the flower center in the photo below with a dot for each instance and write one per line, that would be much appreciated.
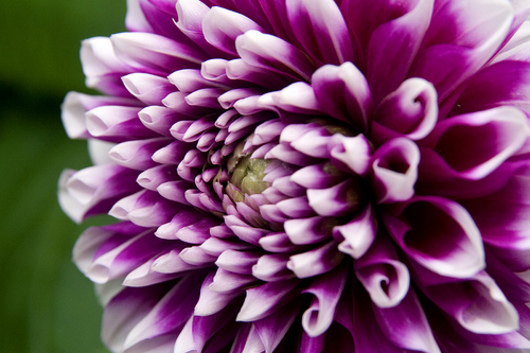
(246, 175)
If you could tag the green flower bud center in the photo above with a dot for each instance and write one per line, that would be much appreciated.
(248, 175)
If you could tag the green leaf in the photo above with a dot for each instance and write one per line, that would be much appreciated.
(41, 40)
(47, 305)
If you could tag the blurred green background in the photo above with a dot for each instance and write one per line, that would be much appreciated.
(46, 305)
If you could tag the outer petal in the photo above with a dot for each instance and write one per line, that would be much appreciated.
(358, 234)
(127, 254)
(471, 146)
(478, 29)
(76, 105)
(503, 83)
(154, 53)
(343, 92)
(221, 27)
(168, 316)
(116, 123)
(506, 228)
(118, 322)
(477, 304)
(393, 47)
(386, 279)
(320, 28)
(440, 235)
(271, 53)
(411, 110)
(327, 291)
(413, 333)
(102, 68)
(263, 300)
(395, 170)
(94, 190)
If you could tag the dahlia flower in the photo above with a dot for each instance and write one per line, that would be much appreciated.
(308, 176)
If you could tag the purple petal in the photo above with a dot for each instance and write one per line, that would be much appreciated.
(160, 15)
(190, 14)
(358, 234)
(315, 262)
(474, 145)
(102, 68)
(277, 242)
(119, 261)
(313, 143)
(145, 275)
(154, 53)
(144, 208)
(250, 71)
(216, 246)
(368, 337)
(515, 47)
(477, 304)
(317, 176)
(295, 207)
(287, 187)
(172, 153)
(206, 97)
(237, 261)
(474, 38)
(412, 334)
(272, 329)
(150, 89)
(196, 256)
(395, 170)
(247, 340)
(320, 28)
(211, 302)
(135, 19)
(440, 235)
(244, 231)
(339, 200)
(385, 278)
(288, 154)
(226, 282)
(75, 106)
(411, 110)
(117, 322)
(159, 119)
(506, 228)
(105, 238)
(136, 154)
(94, 190)
(351, 153)
(152, 178)
(305, 231)
(393, 47)
(210, 333)
(272, 268)
(503, 83)
(343, 92)
(171, 262)
(169, 314)
(221, 27)
(298, 97)
(267, 298)
(191, 80)
(272, 53)
(327, 291)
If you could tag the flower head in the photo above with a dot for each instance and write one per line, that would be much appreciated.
(308, 176)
